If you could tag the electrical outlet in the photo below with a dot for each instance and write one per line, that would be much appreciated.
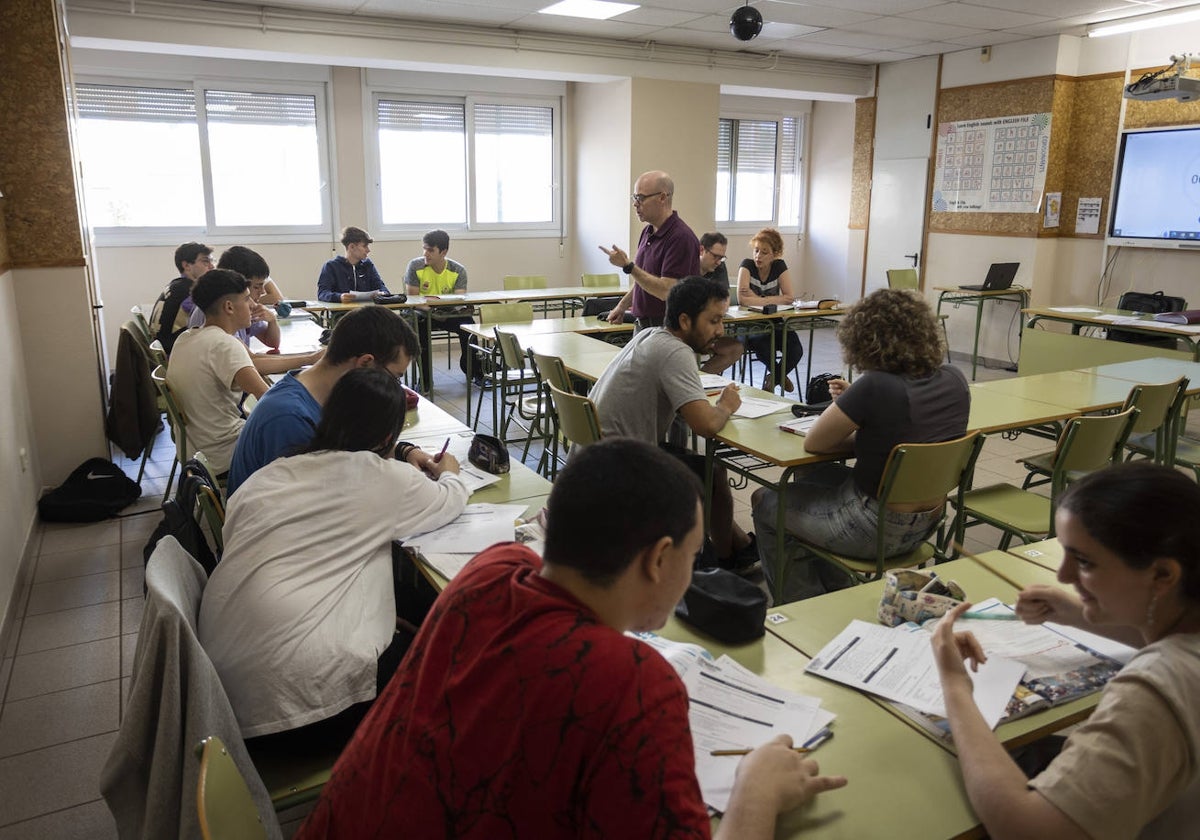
(24, 454)
(985, 55)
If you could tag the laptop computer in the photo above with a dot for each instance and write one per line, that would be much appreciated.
(999, 277)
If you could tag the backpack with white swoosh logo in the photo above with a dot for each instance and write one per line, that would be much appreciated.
(95, 490)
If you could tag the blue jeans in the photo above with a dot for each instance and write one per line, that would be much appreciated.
(826, 508)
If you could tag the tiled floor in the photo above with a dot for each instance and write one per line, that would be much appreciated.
(67, 666)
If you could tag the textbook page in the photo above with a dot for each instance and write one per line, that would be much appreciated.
(753, 407)
(898, 665)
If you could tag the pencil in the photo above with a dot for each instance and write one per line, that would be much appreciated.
(748, 751)
(958, 547)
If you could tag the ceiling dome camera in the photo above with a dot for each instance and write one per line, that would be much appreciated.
(746, 23)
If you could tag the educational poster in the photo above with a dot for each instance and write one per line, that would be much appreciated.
(1087, 215)
(993, 165)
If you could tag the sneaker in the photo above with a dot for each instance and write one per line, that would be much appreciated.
(479, 382)
(769, 382)
(787, 384)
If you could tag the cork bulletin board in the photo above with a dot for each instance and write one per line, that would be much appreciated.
(991, 101)
(860, 173)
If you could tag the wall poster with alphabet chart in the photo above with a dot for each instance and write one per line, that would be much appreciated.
(992, 165)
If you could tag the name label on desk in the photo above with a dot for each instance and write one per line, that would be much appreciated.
(777, 618)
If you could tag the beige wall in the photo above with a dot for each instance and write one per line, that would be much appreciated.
(601, 124)
(674, 128)
(20, 483)
(827, 238)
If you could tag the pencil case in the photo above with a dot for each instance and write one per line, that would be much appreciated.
(911, 595)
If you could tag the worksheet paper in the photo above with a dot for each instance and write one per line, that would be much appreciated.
(898, 665)
(752, 407)
(476, 528)
(460, 448)
(714, 381)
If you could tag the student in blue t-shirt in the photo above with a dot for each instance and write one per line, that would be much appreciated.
(287, 415)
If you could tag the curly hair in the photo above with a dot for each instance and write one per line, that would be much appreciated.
(770, 238)
(892, 330)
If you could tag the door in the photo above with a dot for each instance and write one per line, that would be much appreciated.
(897, 218)
(903, 134)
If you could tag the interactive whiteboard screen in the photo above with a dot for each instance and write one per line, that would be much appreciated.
(1156, 202)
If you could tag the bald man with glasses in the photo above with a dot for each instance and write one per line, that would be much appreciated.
(667, 251)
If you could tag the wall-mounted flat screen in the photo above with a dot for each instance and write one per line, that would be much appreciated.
(1156, 196)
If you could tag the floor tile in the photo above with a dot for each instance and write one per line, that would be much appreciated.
(138, 528)
(60, 717)
(92, 821)
(70, 627)
(132, 582)
(70, 593)
(69, 537)
(131, 614)
(128, 649)
(62, 668)
(131, 553)
(69, 564)
(38, 783)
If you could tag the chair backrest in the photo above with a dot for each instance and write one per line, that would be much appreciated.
(510, 350)
(918, 472)
(505, 313)
(903, 278)
(175, 412)
(1155, 403)
(552, 371)
(223, 800)
(1090, 443)
(577, 417)
(158, 355)
(208, 496)
(600, 281)
(143, 326)
(525, 281)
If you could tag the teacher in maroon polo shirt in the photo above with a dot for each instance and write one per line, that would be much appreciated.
(667, 252)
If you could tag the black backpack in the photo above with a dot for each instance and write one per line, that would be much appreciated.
(1151, 303)
(179, 521)
(817, 393)
(95, 490)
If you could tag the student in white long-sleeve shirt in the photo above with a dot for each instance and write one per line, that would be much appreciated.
(299, 616)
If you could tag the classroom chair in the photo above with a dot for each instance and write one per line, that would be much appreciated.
(599, 281)
(143, 326)
(906, 278)
(915, 472)
(517, 282)
(208, 495)
(551, 371)
(176, 418)
(223, 802)
(1162, 441)
(517, 395)
(132, 332)
(577, 417)
(506, 313)
(1086, 444)
(1152, 433)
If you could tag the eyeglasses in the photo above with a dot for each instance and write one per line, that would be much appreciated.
(720, 258)
(638, 198)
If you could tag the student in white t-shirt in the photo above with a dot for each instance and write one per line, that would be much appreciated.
(210, 370)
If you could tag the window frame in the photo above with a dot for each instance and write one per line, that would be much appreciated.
(472, 228)
(787, 226)
(109, 235)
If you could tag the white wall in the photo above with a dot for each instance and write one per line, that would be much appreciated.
(20, 485)
(601, 125)
(824, 260)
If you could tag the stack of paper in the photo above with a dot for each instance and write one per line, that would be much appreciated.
(731, 708)
(753, 407)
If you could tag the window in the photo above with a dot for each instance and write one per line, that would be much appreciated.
(759, 172)
(203, 160)
(467, 164)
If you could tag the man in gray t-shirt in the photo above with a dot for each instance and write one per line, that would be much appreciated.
(655, 377)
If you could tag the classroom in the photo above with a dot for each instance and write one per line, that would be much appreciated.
(857, 93)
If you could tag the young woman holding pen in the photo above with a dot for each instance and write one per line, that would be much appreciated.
(299, 617)
(1131, 549)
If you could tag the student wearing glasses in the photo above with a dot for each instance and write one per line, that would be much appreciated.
(666, 253)
(726, 350)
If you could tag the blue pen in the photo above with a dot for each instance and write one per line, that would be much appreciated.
(818, 739)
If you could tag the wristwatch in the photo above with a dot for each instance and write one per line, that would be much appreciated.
(628, 267)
